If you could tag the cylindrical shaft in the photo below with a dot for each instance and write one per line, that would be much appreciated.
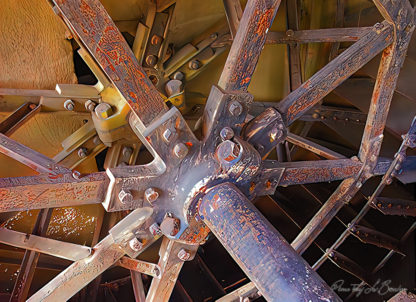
(265, 256)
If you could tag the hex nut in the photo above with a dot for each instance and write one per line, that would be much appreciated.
(226, 133)
(82, 152)
(89, 105)
(194, 64)
(69, 105)
(135, 244)
(184, 255)
(151, 195)
(103, 110)
(155, 230)
(170, 226)
(178, 76)
(151, 60)
(180, 150)
(168, 135)
(235, 108)
(228, 151)
(125, 196)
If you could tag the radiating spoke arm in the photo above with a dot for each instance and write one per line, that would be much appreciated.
(105, 254)
(249, 41)
(29, 157)
(94, 27)
(337, 71)
(274, 173)
(170, 264)
(50, 191)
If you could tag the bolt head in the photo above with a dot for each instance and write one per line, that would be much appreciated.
(151, 195)
(168, 135)
(178, 76)
(103, 110)
(226, 133)
(135, 244)
(184, 255)
(180, 150)
(125, 196)
(127, 152)
(69, 105)
(89, 105)
(170, 226)
(195, 64)
(156, 40)
(235, 108)
(76, 174)
(82, 152)
(228, 151)
(155, 230)
(151, 60)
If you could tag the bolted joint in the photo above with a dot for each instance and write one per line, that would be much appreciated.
(184, 255)
(69, 105)
(125, 196)
(170, 225)
(194, 65)
(82, 152)
(90, 105)
(151, 195)
(135, 244)
(180, 150)
(228, 151)
(103, 110)
(155, 230)
(226, 133)
(235, 108)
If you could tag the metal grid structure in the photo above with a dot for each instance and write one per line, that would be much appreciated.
(197, 184)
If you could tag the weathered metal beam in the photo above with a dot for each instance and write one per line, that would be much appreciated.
(234, 13)
(337, 71)
(392, 60)
(29, 157)
(409, 140)
(30, 260)
(394, 206)
(324, 35)
(61, 249)
(339, 22)
(140, 266)
(371, 236)
(82, 272)
(170, 265)
(294, 48)
(276, 173)
(17, 118)
(313, 147)
(93, 26)
(350, 266)
(138, 288)
(249, 41)
(276, 269)
(50, 191)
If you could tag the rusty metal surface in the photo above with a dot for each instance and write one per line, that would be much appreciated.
(266, 257)
(104, 41)
(187, 167)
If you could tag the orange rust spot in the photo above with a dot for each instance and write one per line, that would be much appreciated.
(245, 81)
(264, 22)
(189, 144)
(252, 186)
